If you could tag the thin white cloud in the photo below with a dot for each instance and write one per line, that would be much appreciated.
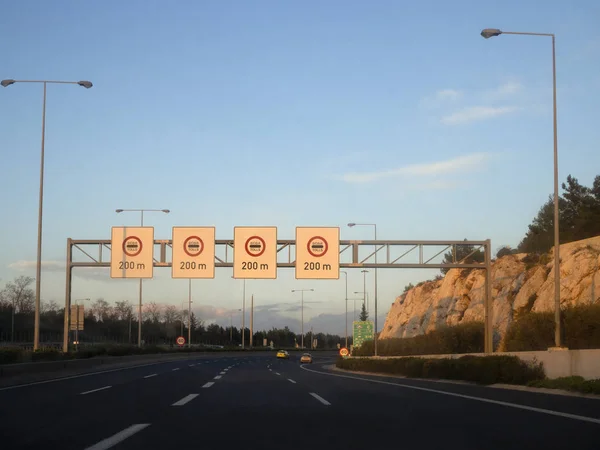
(441, 97)
(512, 87)
(448, 94)
(462, 163)
(49, 266)
(476, 113)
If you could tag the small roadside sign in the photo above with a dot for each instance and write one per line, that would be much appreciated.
(180, 340)
(77, 317)
(344, 352)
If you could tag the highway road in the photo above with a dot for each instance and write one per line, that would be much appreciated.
(257, 402)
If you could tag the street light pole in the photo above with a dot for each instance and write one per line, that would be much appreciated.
(365, 272)
(491, 32)
(141, 211)
(346, 316)
(38, 277)
(302, 313)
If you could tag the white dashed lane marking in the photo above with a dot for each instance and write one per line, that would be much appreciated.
(119, 437)
(95, 390)
(184, 400)
(321, 399)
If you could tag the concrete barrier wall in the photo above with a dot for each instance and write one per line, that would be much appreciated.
(557, 362)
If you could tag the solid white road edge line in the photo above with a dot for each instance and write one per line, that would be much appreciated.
(209, 384)
(468, 397)
(119, 437)
(321, 399)
(184, 400)
(95, 390)
(291, 381)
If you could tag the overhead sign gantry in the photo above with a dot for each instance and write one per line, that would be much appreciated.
(318, 253)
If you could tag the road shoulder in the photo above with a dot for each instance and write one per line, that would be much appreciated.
(513, 387)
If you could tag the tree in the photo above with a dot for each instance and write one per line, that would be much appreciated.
(101, 310)
(505, 250)
(579, 213)
(464, 254)
(152, 312)
(19, 295)
(364, 315)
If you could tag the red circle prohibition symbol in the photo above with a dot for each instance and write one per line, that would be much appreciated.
(311, 241)
(200, 246)
(180, 340)
(126, 243)
(253, 247)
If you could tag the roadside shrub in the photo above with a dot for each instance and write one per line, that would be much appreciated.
(47, 354)
(576, 384)
(477, 369)
(535, 331)
(10, 355)
(463, 338)
(532, 331)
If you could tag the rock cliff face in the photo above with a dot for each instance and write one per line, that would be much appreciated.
(518, 286)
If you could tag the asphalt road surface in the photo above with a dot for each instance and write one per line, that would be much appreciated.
(257, 402)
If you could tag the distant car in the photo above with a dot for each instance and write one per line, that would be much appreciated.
(306, 358)
(283, 354)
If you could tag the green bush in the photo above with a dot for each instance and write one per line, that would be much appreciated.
(10, 355)
(47, 354)
(477, 369)
(464, 338)
(535, 331)
(576, 384)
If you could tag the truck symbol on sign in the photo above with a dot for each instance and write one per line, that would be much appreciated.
(255, 246)
(194, 246)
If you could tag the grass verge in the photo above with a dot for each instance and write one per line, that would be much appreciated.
(573, 384)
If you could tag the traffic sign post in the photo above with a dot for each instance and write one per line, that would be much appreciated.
(132, 252)
(255, 252)
(193, 252)
(362, 331)
(180, 341)
(317, 253)
(77, 319)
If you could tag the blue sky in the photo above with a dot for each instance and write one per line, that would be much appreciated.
(290, 114)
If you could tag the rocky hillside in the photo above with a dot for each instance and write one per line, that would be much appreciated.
(520, 285)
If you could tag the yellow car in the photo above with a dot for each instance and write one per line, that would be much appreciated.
(282, 354)
(306, 358)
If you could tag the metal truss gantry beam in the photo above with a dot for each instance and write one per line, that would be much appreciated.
(396, 253)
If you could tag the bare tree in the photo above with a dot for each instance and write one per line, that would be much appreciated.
(101, 310)
(171, 315)
(123, 310)
(19, 295)
(49, 307)
(152, 312)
